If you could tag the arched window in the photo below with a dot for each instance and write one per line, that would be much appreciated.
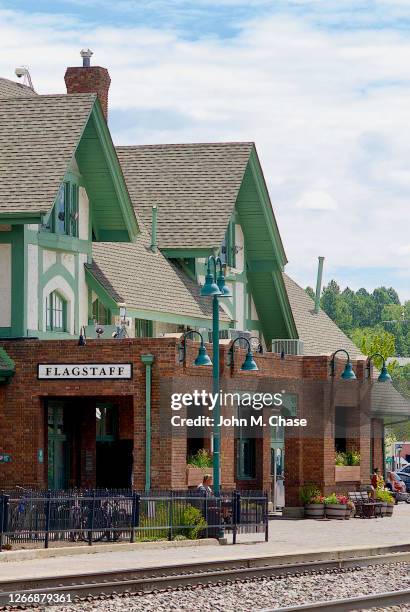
(56, 312)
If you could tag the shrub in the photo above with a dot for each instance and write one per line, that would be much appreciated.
(191, 522)
(308, 493)
(332, 499)
(201, 459)
(347, 458)
(384, 496)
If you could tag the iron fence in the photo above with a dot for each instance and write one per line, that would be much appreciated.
(124, 515)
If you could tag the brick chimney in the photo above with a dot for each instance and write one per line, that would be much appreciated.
(89, 79)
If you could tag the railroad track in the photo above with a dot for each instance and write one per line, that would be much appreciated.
(379, 600)
(101, 585)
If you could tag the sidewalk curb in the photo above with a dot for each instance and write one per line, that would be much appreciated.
(48, 553)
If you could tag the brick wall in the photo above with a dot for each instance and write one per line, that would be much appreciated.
(309, 453)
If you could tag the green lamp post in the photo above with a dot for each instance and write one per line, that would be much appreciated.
(348, 373)
(384, 375)
(215, 287)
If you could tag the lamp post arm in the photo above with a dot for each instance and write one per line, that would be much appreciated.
(370, 359)
(185, 336)
(332, 363)
(232, 349)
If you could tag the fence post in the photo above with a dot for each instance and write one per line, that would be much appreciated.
(47, 512)
(4, 514)
(235, 496)
(135, 513)
(266, 518)
(170, 519)
(91, 521)
(206, 513)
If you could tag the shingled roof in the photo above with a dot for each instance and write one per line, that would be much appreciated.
(320, 335)
(195, 187)
(38, 138)
(132, 273)
(11, 89)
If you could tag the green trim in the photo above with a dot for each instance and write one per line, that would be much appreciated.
(285, 305)
(101, 292)
(5, 332)
(270, 220)
(20, 218)
(40, 312)
(50, 335)
(181, 253)
(58, 242)
(18, 281)
(252, 324)
(113, 236)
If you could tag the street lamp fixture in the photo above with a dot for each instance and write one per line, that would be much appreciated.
(249, 364)
(203, 358)
(384, 375)
(348, 373)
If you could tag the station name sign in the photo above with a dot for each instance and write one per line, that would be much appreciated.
(84, 371)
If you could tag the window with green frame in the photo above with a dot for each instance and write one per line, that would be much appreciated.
(106, 421)
(101, 314)
(228, 251)
(143, 328)
(56, 312)
(64, 217)
(246, 466)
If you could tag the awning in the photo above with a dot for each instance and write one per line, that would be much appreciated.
(7, 366)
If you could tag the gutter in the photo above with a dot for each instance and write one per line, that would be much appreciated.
(148, 360)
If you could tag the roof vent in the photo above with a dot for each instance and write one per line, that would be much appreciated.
(86, 55)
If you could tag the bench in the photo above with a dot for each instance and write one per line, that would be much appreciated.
(364, 506)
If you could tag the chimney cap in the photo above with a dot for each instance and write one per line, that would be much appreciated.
(86, 55)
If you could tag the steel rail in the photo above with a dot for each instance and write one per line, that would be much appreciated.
(364, 602)
(148, 580)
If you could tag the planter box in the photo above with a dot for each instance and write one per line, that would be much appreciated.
(315, 511)
(390, 508)
(194, 475)
(347, 473)
(336, 511)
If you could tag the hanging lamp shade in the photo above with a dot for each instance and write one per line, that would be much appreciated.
(249, 364)
(203, 358)
(348, 372)
(210, 287)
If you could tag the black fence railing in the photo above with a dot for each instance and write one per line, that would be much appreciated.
(125, 515)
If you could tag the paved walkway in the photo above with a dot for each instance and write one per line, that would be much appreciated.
(285, 537)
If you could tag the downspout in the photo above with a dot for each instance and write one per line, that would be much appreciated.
(147, 360)
(319, 284)
(154, 240)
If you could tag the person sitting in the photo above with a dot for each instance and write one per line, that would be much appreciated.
(205, 485)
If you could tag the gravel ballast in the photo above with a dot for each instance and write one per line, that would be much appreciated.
(259, 594)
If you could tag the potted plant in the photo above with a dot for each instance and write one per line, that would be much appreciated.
(347, 466)
(387, 499)
(313, 501)
(198, 465)
(334, 508)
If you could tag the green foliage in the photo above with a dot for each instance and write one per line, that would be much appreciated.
(384, 496)
(201, 459)
(347, 458)
(331, 499)
(368, 317)
(308, 493)
(310, 292)
(192, 523)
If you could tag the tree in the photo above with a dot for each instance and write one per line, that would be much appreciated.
(374, 340)
(310, 292)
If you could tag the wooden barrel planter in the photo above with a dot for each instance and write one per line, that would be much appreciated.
(383, 509)
(314, 511)
(336, 511)
(389, 510)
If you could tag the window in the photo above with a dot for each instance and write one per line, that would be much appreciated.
(56, 312)
(64, 219)
(106, 419)
(228, 251)
(246, 446)
(143, 328)
(101, 314)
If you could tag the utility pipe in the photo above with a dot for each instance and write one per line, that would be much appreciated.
(319, 284)
(147, 360)
(154, 241)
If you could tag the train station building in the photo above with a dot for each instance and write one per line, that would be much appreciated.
(103, 251)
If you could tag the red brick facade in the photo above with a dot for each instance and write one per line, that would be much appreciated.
(309, 452)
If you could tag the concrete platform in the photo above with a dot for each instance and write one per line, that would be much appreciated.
(286, 537)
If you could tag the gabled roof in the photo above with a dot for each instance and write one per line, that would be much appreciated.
(320, 335)
(38, 139)
(195, 187)
(148, 282)
(11, 89)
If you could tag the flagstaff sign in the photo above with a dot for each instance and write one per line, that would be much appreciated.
(84, 371)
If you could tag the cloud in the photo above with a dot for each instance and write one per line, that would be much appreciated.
(322, 89)
(316, 200)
